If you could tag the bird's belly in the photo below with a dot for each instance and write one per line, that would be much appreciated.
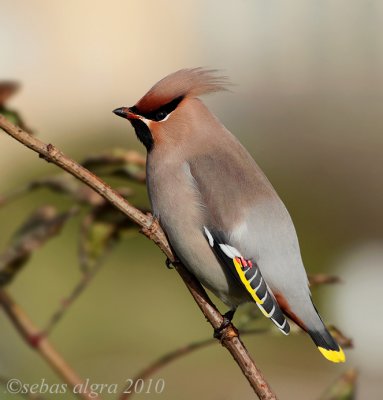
(176, 204)
(194, 251)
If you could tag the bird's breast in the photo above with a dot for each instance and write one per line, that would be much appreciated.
(174, 198)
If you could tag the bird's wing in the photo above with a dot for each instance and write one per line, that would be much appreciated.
(249, 275)
(229, 184)
(251, 233)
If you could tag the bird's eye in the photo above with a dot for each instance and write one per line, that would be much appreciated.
(160, 115)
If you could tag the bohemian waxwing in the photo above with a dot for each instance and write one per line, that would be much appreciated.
(222, 217)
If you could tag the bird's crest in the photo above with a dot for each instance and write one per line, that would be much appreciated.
(192, 82)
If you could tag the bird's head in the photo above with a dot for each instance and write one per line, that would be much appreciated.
(165, 108)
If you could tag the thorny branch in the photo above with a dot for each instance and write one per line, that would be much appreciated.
(229, 337)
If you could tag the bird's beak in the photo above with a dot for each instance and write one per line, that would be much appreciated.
(126, 113)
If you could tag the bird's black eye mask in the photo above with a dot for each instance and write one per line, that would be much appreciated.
(160, 113)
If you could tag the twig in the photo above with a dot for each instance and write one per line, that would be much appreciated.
(343, 340)
(344, 388)
(323, 279)
(166, 359)
(40, 343)
(229, 337)
(81, 285)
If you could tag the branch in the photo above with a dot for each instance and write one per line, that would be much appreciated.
(40, 343)
(323, 279)
(168, 358)
(180, 352)
(79, 288)
(229, 337)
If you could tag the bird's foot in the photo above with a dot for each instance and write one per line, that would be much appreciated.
(222, 332)
(172, 263)
(169, 263)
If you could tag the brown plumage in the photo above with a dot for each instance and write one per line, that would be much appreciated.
(191, 82)
(221, 215)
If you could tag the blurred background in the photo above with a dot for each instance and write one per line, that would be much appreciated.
(307, 104)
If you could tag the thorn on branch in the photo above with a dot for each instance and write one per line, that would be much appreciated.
(50, 149)
(34, 339)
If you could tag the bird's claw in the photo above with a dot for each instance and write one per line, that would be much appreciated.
(218, 331)
(169, 263)
(226, 329)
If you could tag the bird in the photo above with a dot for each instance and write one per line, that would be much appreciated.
(220, 213)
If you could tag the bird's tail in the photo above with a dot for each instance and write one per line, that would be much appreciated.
(326, 344)
(315, 327)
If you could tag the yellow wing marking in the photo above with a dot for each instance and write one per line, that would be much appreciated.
(244, 280)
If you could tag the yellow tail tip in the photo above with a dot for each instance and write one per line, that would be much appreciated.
(335, 356)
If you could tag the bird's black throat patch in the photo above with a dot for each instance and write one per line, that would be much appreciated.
(143, 133)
